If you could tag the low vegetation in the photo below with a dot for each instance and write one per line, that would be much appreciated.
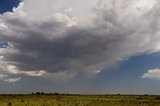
(42, 99)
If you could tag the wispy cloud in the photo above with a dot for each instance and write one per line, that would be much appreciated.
(12, 80)
(14, 70)
(7, 78)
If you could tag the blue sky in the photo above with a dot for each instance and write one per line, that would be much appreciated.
(72, 48)
(7, 5)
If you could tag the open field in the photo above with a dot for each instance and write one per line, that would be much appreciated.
(79, 100)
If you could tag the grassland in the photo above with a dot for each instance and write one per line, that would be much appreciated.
(79, 100)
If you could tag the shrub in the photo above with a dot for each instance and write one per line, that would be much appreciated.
(9, 104)
(139, 98)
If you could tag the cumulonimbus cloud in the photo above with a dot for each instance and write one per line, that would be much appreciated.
(62, 39)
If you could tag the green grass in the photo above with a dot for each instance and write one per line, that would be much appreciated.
(79, 100)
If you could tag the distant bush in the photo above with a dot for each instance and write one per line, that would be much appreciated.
(139, 98)
(157, 98)
(68, 94)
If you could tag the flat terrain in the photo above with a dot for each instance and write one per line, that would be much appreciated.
(79, 100)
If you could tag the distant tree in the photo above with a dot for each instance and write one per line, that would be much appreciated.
(42, 93)
(146, 95)
(56, 93)
(38, 93)
(119, 94)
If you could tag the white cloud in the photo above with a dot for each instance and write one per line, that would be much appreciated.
(14, 70)
(19, 10)
(3, 76)
(155, 73)
(7, 78)
(61, 17)
(12, 80)
(2, 27)
(69, 10)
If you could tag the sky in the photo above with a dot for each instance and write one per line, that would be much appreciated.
(79, 46)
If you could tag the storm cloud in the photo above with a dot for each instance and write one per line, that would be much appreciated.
(66, 41)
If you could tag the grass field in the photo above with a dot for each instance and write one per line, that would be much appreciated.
(79, 100)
